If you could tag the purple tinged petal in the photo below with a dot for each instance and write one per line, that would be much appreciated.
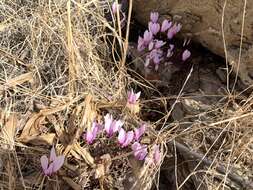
(115, 6)
(170, 34)
(108, 122)
(49, 170)
(165, 25)
(141, 44)
(133, 97)
(140, 151)
(147, 62)
(57, 163)
(186, 54)
(129, 138)
(117, 126)
(154, 28)
(138, 132)
(150, 45)
(89, 137)
(44, 163)
(137, 95)
(154, 16)
(122, 136)
(52, 154)
(147, 37)
(159, 44)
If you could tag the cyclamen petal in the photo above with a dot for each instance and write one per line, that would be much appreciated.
(165, 25)
(132, 97)
(108, 123)
(52, 154)
(57, 163)
(89, 137)
(140, 151)
(147, 37)
(121, 136)
(115, 7)
(154, 16)
(141, 44)
(154, 27)
(138, 132)
(186, 54)
(159, 44)
(151, 45)
(49, 170)
(129, 138)
(44, 162)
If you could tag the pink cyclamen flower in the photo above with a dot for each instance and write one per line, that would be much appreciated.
(154, 16)
(165, 25)
(138, 132)
(141, 44)
(115, 7)
(170, 53)
(125, 138)
(154, 27)
(111, 125)
(151, 45)
(147, 37)
(92, 132)
(159, 44)
(132, 97)
(140, 151)
(186, 54)
(53, 164)
(173, 30)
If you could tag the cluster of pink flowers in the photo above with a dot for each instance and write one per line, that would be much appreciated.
(113, 127)
(156, 41)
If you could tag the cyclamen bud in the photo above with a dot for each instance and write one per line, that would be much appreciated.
(186, 54)
(154, 16)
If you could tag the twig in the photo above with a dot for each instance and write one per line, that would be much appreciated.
(221, 169)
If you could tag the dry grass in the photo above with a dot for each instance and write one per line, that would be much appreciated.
(58, 72)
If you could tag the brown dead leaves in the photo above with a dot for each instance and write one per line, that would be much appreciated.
(8, 123)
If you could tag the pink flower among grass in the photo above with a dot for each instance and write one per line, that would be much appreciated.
(125, 138)
(138, 132)
(140, 151)
(165, 25)
(186, 54)
(173, 30)
(111, 125)
(132, 97)
(141, 44)
(53, 164)
(159, 44)
(154, 27)
(147, 37)
(154, 16)
(92, 133)
(115, 7)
